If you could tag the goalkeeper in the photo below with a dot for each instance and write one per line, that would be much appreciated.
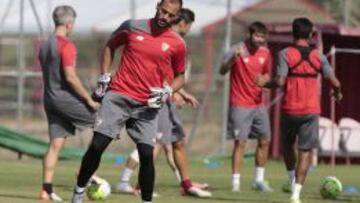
(137, 90)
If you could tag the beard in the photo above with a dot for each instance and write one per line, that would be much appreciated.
(257, 44)
(161, 23)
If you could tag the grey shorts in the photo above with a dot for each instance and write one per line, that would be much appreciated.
(244, 123)
(170, 126)
(118, 111)
(306, 127)
(65, 117)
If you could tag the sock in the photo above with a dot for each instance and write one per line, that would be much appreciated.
(236, 179)
(259, 174)
(145, 202)
(296, 191)
(79, 189)
(177, 175)
(291, 175)
(186, 184)
(48, 188)
(126, 175)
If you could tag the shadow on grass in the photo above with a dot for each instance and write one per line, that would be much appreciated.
(342, 198)
(18, 196)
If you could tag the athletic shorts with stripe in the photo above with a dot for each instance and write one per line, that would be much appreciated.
(67, 116)
(244, 123)
(170, 126)
(118, 111)
(306, 127)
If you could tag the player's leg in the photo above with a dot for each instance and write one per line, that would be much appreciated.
(169, 153)
(147, 171)
(180, 157)
(142, 128)
(110, 119)
(237, 160)
(261, 130)
(49, 164)
(289, 129)
(157, 150)
(90, 164)
(59, 128)
(308, 134)
(181, 163)
(239, 126)
(131, 164)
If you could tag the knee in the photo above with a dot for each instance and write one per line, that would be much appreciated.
(99, 143)
(264, 143)
(55, 145)
(146, 152)
(179, 145)
(240, 144)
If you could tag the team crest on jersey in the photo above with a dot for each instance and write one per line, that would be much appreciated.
(246, 60)
(165, 46)
(140, 38)
(261, 60)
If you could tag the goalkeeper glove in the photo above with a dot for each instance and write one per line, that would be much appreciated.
(102, 86)
(159, 96)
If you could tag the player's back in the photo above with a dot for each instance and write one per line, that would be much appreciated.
(56, 89)
(302, 90)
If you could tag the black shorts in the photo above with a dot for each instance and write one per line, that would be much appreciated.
(306, 127)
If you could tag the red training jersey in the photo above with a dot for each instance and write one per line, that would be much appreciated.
(302, 66)
(147, 59)
(243, 90)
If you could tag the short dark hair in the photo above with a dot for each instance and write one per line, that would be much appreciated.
(179, 1)
(302, 28)
(186, 15)
(257, 27)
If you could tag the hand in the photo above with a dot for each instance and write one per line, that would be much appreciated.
(93, 104)
(102, 86)
(190, 99)
(159, 96)
(337, 95)
(179, 100)
(239, 51)
(261, 80)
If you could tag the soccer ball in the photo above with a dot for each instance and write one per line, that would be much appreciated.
(98, 191)
(330, 187)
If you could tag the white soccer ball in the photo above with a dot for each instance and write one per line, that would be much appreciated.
(99, 190)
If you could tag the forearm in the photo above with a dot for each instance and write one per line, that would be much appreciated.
(182, 92)
(335, 84)
(79, 89)
(106, 60)
(272, 84)
(178, 83)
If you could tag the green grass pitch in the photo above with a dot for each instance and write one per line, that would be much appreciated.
(20, 182)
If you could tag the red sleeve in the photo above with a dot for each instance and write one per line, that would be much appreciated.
(68, 55)
(179, 59)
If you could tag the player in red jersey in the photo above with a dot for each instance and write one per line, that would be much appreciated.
(247, 114)
(298, 71)
(137, 90)
(170, 131)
